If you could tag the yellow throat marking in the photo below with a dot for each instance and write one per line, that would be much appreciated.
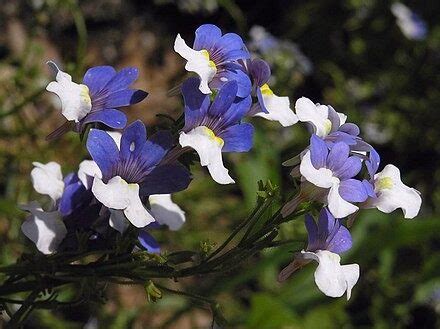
(384, 183)
(206, 55)
(213, 137)
(327, 126)
(85, 95)
(265, 90)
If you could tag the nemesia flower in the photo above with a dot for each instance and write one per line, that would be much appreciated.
(214, 57)
(326, 240)
(213, 128)
(332, 172)
(47, 179)
(45, 229)
(391, 192)
(411, 25)
(98, 98)
(270, 106)
(166, 212)
(133, 171)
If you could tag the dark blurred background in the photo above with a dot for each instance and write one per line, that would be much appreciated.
(351, 54)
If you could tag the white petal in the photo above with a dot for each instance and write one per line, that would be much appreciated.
(118, 221)
(135, 210)
(116, 135)
(166, 212)
(330, 277)
(337, 205)
(321, 177)
(47, 179)
(45, 229)
(88, 169)
(75, 98)
(342, 118)
(209, 149)
(114, 194)
(392, 193)
(198, 62)
(278, 108)
(317, 115)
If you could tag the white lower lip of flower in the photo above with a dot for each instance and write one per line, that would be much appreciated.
(317, 115)
(119, 195)
(209, 149)
(197, 61)
(332, 278)
(166, 212)
(339, 207)
(321, 177)
(88, 169)
(47, 179)
(45, 229)
(74, 97)
(118, 221)
(278, 108)
(392, 193)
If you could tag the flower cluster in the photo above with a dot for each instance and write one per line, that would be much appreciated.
(127, 182)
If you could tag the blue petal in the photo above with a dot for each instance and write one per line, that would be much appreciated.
(238, 138)
(103, 150)
(224, 99)
(349, 169)
(318, 152)
(122, 80)
(110, 117)
(125, 98)
(312, 232)
(326, 225)
(337, 156)
(71, 178)
(225, 49)
(133, 139)
(260, 71)
(341, 241)
(350, 128)
(148, 242)
(353, 190)
(206, 37)
(237, 111)
(165, 179)
(233, 72)
(73, 196)
(97, 77)
(196, 103)
(373, 163)
(261, 101)
(334, 118)
(369, 188)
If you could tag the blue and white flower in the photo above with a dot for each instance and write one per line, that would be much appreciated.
(391, 193)
(211, 129)
(411, 25)
(326, 240)
(214, 57)
(133, 171)
(329, 125)
(331, 173)
(98, 98)
(270, 106)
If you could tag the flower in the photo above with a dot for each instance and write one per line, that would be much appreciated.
(133, 171)
(332, 172)
(411, 25)
(45, 229)
(326, 240)
(270, 106)
(329, 124)
(214, 59)
(391, 192)
(213, 128)
(166, 212)
(98, 98)
(47, 179)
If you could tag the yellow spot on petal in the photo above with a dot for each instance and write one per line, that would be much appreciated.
(384, 183)
(85, 95)
(265, 90)
(206, 55)
(327, 126)
(213, 137)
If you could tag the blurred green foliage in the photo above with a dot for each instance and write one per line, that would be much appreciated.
(346, 53)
